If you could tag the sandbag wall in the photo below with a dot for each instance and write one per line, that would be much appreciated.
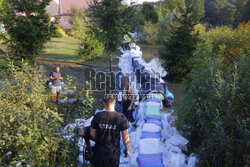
(156, 142)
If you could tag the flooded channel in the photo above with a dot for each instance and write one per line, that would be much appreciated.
(150, 52)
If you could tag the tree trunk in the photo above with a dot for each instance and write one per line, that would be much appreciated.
(110, 62)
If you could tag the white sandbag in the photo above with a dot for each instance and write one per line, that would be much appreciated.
(132, 159)
(192, 160)
(175, 160)
(88, 121)
(177, 140)
(150, 146)
(150, 127)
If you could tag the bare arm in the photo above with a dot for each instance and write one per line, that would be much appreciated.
(51, 77)
(126, 141)
(92, 133)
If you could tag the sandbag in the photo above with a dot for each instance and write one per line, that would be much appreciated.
(154, 121)
(150, 160)
(150, 127)
(153, 110)
(153, 117)
(156, 96)
(150, 146)
(154, 100)
(152, 103)
(145, 135)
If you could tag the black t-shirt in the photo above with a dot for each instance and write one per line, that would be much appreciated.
(108, 126)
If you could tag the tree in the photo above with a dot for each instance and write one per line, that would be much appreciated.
(110, 20)
(220, 12)
(240, 6)
(183, 41)
(28, 25)
(149, 12)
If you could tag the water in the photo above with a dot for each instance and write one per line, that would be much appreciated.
(150, 52)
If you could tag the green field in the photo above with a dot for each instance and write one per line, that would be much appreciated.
(61, 48)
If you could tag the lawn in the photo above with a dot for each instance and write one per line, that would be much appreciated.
(61, 48)
(65, 49)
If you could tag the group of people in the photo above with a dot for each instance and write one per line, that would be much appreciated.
(106, 126)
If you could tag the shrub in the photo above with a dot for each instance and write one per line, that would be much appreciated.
(90, 47)
(215, 112)
(29, 129)
(166, 27)
(59, 33)
(149, 33)
(236, 41)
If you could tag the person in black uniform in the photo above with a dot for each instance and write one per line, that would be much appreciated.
(105, 130)
(128, 100)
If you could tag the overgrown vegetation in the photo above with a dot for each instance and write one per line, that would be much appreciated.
(30, 126)
(215, 112)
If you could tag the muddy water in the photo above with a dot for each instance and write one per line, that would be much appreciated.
(150, 52)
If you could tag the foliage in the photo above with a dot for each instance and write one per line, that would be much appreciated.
(220, 12)
(29, 129)
(182, 43)
(234, 42)
(59, 33)
(166, 27)
(28, 25)
(150, 33)
(110, 20)
(215, 111)
(82, 106)
(89, 45)
(173, 5)
(149, 12)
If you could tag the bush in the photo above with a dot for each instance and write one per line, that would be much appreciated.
(215, 112)
(29, 129)
(90, 47)
(149, 33)
(59, 33)
(166, 27)
(236, 41)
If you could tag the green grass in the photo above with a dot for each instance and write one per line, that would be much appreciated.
(61, 48)
(65, 48)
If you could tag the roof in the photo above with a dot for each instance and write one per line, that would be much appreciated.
(53, 8)
(67, 5)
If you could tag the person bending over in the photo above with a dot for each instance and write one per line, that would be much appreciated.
(105, 130)
(56, 78)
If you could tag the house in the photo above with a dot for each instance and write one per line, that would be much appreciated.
(66, 14)
(62, 9)
(53, 9)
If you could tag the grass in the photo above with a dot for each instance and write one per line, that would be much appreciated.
(65, 48)
(61, 48)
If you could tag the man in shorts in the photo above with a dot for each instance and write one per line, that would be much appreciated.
(56, 78)
(105, 130)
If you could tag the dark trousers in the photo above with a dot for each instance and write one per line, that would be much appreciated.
(128, 114)
(101, 160)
